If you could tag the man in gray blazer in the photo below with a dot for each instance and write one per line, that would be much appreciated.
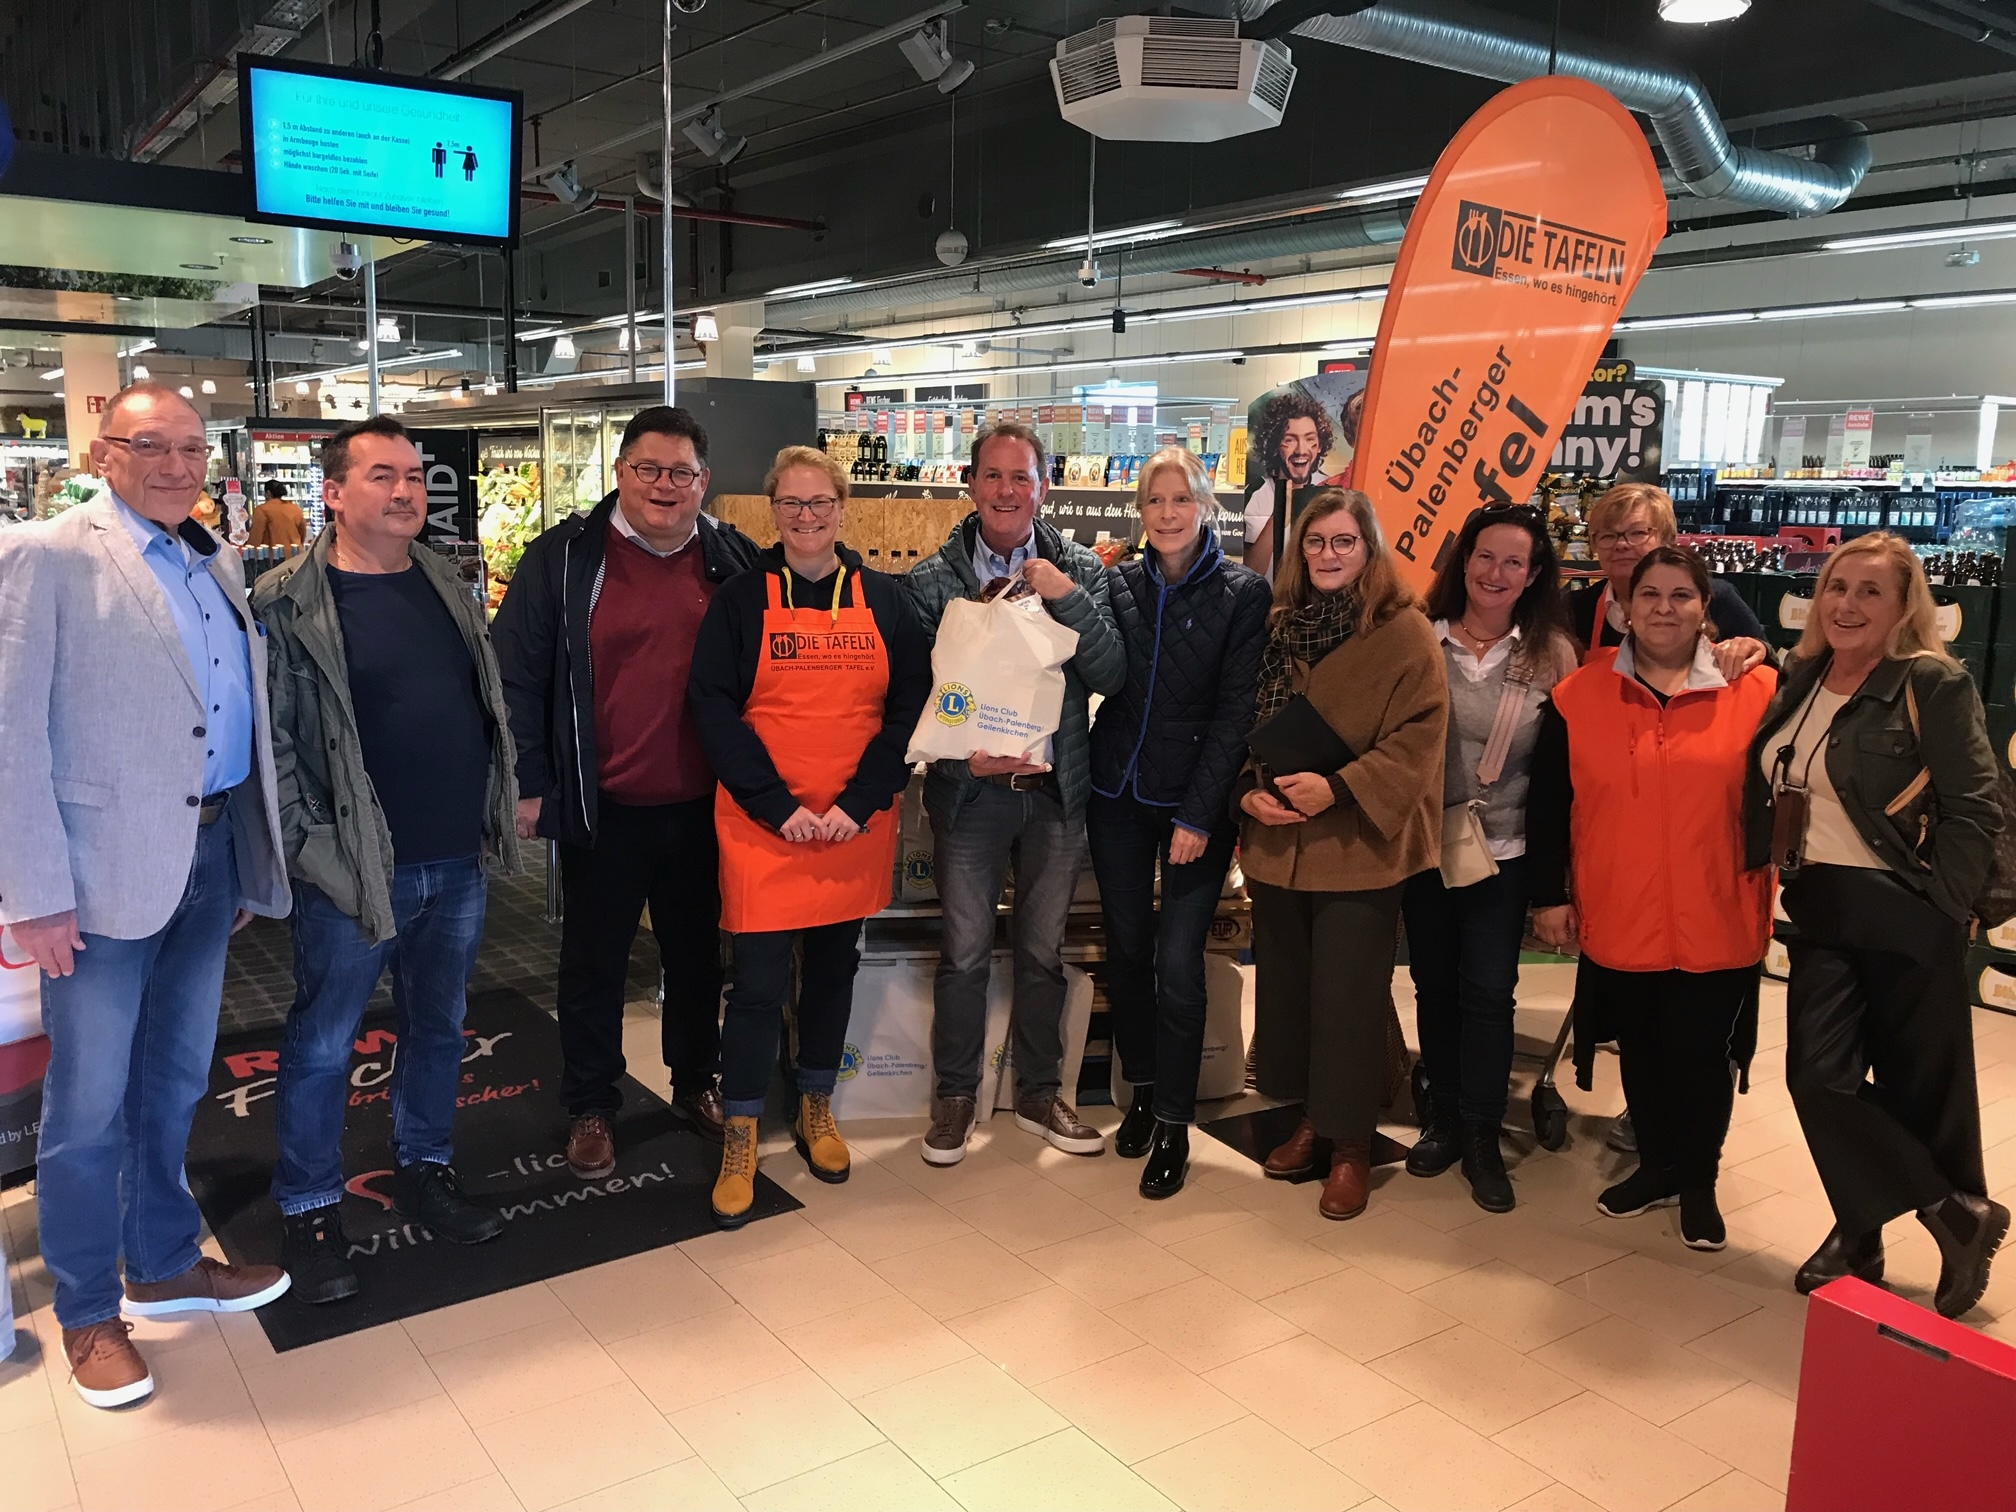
(137, 802)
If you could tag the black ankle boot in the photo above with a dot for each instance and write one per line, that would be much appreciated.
(1137, 1129)
(1857, 1255)
(1484, 1169)
(1168, 1160)
(1439, 1147)
(1969, 1230)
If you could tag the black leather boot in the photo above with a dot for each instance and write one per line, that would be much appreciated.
(1439, 1147)
(1137, 1129)
(1168, 1160)
(1969, 1230)
(1484, 1169)
(1857, 1255)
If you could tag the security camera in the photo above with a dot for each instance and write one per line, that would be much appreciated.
(689, 7)
(1088, 272)
(347, 261)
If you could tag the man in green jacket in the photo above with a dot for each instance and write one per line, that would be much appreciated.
(990, 812)
(393, 753)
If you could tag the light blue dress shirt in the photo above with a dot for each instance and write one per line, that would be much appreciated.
(988, 564)
(214, 640)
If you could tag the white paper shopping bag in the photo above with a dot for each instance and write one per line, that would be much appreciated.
(997, 683)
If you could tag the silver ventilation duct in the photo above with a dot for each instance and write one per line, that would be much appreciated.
(1491, 45)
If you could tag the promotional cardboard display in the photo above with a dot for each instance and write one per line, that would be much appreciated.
(1536, 225)
(1304, 437)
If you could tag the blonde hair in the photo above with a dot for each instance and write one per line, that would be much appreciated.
(1616, 505)
(1183, 460)
(805, 456)
(1917, 633)
(1380, 591)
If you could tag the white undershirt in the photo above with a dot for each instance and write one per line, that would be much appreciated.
(1831, 836)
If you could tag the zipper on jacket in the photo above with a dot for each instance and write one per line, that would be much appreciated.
(574, 697)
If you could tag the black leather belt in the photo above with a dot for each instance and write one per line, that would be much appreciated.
(1022, 782)
(212, 808)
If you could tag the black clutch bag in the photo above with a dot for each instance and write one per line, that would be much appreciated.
(1298, 739)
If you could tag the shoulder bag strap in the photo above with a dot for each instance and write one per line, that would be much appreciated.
(1917, 784)
(1518, 678)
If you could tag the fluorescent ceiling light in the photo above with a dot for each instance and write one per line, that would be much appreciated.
(145, 344)
(1700, 12)
(1962, 301)
(411, 359)
(817, 286)
(563, 347)
(1348, 348)
(1148, 231)
(706, 328)
(1683, 322)
(1823, 312)
(1052, 367)
(52, 375)
(1390, 189)
(1925, 236)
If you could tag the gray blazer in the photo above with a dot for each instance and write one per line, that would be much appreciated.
(99, 696)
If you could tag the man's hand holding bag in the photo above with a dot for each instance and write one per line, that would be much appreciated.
(997, 673)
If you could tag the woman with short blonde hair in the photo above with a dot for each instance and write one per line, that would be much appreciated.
(805, 456)
(1873, 790)
(1625, 524)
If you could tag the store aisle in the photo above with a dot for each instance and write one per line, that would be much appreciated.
(1023, 1331)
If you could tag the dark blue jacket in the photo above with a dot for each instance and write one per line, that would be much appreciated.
(1175, 736)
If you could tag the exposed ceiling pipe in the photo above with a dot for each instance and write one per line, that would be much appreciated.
(1982, 30)
(685, 212)
(1491, 45)
(502, 40)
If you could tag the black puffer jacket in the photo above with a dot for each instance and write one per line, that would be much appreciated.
(1175, 736)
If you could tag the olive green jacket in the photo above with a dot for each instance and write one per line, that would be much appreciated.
(331, 828)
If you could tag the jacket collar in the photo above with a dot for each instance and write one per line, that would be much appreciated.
(1701, 677)
(1884, 684)
(308, 574)
(1208, 561)
(958, 547)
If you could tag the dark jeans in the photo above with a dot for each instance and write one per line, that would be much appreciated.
(1155, 956)
(665, 856)
(130, 1036)
(1463, 953)
(989, 830)
(1676, 1037)
(1879, 1048)
(437, 908)
(1323, 968)
(758, 994)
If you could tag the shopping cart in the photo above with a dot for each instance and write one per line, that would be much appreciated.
(1550, 1113)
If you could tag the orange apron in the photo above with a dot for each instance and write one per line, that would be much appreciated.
(821, 680)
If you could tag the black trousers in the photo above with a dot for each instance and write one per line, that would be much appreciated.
(664, 855)
(1323, 968)
(1676, 1033)
(758, 995)
(1463, 953)
(1879, 1046)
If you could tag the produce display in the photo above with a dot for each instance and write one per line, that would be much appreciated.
(509, 515)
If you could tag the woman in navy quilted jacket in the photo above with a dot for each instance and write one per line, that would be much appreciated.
(1165, 751)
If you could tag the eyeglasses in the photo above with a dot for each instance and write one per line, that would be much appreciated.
(1341, 545)
(648, 473)
(819, 509)
(1610, 540)
(154, 449)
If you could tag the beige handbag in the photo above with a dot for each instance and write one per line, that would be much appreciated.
(1466, 850)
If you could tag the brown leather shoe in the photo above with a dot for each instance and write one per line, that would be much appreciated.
(1057, 1121)
(703, 1110)
(104, 1366)
(207, 1286)
(1350, 1185)
(1302, 1155)
(591, 1147)
(951, 1127)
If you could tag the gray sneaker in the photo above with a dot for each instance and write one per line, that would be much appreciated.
(1622, 1137)
(951, 1127)
(1057, 1121)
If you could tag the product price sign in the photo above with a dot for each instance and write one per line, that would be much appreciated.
(1837, 442)
(1918, 444)
(1791, 444)
(1858, 428)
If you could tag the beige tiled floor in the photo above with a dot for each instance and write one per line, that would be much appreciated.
(1023, 1332)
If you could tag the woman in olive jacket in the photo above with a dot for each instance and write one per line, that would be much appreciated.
(1165, 750)
(1873, 788)
(1326, 854)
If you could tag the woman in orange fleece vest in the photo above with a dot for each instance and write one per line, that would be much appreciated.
(1635, 826)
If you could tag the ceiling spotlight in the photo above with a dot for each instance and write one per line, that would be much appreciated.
(201, 267)
(706, 328)
(1964, 257)
(712, 139)
(885, 357)
(363, 345)
(969, 349)
(808, 364)
(186, 392)
(563, 348)
(209, 385)
(140, 374)
(1697, 12)
(930, 54)
(302, 386)
(565, 182)
(388, 330)
(253, 241)
(52, 375)
(489, 385)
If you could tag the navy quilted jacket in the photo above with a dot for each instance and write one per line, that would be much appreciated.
(1175, 736)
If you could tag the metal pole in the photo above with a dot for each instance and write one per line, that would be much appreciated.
(630, 277)
(510, 320)
(262, 363)
(371, 328)
(665, 208)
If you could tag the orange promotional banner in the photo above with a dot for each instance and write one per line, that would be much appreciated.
(1538, 222)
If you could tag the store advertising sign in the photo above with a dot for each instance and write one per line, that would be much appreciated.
(354, 151)
(1918, 444)
(449, 457)
(1537, 224)
(1791, 444)
(1858, 429)
(1616, 429)
(1837, 441)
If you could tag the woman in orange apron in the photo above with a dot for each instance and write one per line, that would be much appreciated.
(808, 677)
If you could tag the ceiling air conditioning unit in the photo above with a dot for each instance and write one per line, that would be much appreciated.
(1171, 79)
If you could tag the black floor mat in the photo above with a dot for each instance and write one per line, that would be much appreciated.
(1256, 1134)
(509, 1136)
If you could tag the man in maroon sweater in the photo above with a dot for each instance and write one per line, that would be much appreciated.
(595, 641)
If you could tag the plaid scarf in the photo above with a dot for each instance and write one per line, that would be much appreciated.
(1304, 635)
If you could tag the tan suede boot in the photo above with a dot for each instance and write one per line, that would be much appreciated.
(735, 1190)
(818, 1138)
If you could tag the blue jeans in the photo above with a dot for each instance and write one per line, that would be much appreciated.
(437, 909)
(1463, 952)
(1155, 958)
(131, 1032)
(988, 829)
(829, 954)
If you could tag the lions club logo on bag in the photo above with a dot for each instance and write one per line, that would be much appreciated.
(955, 704)
(850, 1062)
(783, 646)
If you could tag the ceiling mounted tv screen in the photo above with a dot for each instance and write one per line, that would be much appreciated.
(340, 149)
